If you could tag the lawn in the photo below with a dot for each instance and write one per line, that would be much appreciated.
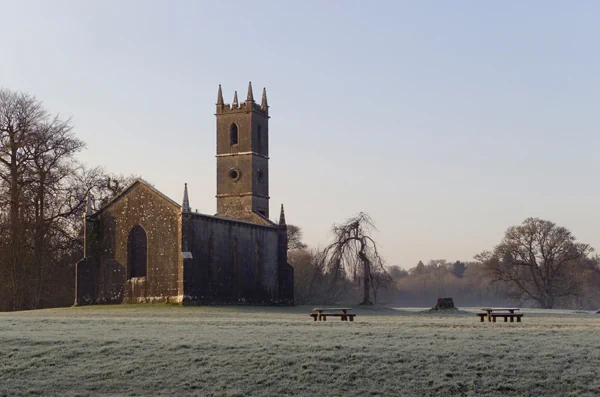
(263, 351)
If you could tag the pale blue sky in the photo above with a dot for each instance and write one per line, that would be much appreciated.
(446, 121)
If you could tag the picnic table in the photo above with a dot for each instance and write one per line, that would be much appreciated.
(321, 313)
(505, 312)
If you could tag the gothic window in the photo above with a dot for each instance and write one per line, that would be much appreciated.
(137, 244)
(233, 134)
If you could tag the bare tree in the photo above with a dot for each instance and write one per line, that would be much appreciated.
(295, 238)
(355, 252)
(43, 192)
(380, 281)
(312, 282)
(107, 186)
(20, 114)
(536, 260)
(437, 270)
(396, 272)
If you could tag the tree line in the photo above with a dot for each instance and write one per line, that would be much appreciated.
(537, 264)
(43, 195)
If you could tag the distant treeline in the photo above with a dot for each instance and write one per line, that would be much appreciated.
(419, 286)
(468, 283)
(536, 264)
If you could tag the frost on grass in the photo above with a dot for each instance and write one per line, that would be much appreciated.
(163, 350)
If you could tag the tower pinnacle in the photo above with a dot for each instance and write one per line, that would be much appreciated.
(250, 98)
(235, 103)
(264, 106)
(220, 97)
(282, 217)
(185, 208)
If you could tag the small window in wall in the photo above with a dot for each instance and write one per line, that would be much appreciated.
(233, 134)
(137, 244)
(234, 174)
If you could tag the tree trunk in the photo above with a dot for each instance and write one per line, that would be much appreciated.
(367, 279)
(39, 240)
(444, 304)
(15, 227)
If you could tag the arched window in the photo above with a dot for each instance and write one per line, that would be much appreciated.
(137, 246)
(233, 134)
(259, 136)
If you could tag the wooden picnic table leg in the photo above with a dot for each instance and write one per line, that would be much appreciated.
(494, 319)
(505, 319)
(512, 319)
(489, 316)
(518, 319)
(482, 319)
(351, 318)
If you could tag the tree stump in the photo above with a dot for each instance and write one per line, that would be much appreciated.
(445, 304)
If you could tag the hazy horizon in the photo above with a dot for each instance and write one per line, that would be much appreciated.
(446, 122)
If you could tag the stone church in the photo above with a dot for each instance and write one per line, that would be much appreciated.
(144, 247)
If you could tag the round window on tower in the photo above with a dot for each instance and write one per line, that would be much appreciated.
(260, 175)
(234, 174)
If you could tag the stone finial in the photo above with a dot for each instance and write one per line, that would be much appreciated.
(186, 201)
(88, 206)
(263, 104)
(235, 103)
(220, 97)
(282, 217)
(250, 98)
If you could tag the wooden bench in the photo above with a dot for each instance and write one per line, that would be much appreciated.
(341, 312)
(506, 316)
(492, 314)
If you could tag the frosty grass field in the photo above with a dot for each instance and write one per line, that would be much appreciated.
(264, 351)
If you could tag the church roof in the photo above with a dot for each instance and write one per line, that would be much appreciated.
(246, 216)
(128, 188)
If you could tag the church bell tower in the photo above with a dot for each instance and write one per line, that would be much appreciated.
(242, 156)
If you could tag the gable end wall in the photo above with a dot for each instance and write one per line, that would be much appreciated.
(160, 219)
